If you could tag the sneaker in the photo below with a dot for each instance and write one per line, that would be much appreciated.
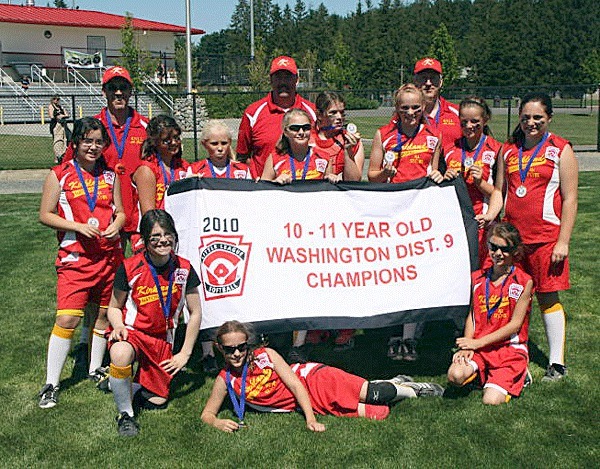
(425, 389)
(394, 348)
(348, 345)
(209, 365)
(48, 396)
(98, 374)
(400, 379)
(528, 379)
(555, 372)
(126, 425)
(297, 355)
(409, 350)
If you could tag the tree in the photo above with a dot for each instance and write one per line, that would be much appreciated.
(60, 4)
(591, 67)
(136, 60)
(442, 48)
(340, 71)
(258, 69)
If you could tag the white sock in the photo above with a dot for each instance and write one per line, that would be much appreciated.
(403, 392)
(121, 390)
(98, 350)
(207, 348)
(299, 338)
(58, 349)
(555, 325)
(409, 331)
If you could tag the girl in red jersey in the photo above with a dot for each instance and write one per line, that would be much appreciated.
(216, 138)
(541, 201)
(406, 148)
(81, 199)
(150, 291)
(342, 146)
(162, 163)
(496, 331)
(473, 157)
(294, 158)
(260, 378)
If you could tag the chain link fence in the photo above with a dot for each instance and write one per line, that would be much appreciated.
(26, 143)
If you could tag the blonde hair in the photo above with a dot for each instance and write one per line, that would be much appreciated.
(216, 125)
(405, 89)
(283, 145)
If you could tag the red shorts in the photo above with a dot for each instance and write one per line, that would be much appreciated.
(333, 391)
(149, 353)
(503, 368)
(85, 279)
(547, 276)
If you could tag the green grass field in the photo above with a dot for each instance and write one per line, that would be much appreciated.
(28, 152)
(550, 425)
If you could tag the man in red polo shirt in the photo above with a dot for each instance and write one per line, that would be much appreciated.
(441, 113)
(260, 127)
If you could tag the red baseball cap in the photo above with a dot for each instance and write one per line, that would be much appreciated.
(114, 72)
(428, 63)
(283, 63)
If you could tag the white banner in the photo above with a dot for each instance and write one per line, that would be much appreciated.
(320, 256)
(82, 60)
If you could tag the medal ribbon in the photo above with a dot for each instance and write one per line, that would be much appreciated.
(91, 199)
(239, 406)
(538, 147)
(163, 170)
(120, 146)
(306, 163)
(488, 279)
(214, 174)
(477, 150)
(165, 305)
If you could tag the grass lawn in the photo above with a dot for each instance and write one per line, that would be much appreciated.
(550, 425)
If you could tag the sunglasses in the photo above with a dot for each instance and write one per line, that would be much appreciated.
(505, 249)
(114, 87)
(230, 349)
(298, 127)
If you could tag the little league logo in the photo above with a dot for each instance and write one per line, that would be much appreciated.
(223, 264)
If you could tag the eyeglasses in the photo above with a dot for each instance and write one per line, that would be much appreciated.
(114, 87)
(155, 239)
(298, 127)
(505, 249)
(230, 349)
(172, 141)
(422, 78)
(88, 142)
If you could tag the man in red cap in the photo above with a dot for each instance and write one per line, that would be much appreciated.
(441, 113)
(260, 127)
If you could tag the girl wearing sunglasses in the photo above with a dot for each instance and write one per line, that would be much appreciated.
(150, 291)
(494, 346)
(162, 162)
(294, 159)
(258, 377)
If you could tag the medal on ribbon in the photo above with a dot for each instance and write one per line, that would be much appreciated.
(165, 304)
(90, 198)
(293, 165)
(239, 406)
(521, 191)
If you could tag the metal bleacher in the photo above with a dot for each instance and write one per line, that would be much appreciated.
(79, 97)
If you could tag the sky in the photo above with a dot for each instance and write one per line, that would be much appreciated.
(209, 15)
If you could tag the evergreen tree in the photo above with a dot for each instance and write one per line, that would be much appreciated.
(340, 71)
(442, 48)
(60, 4)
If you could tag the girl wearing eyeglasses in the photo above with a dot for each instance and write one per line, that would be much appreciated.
(541, 201)
(150, 291)
(258, 377)
(81, 200)
(294, 159)
(473, 157)
(494, 346)
(216, 138)
(407, 147)
(162, 162)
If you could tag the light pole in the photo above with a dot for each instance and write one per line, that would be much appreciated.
(252, 30)
(188, 45)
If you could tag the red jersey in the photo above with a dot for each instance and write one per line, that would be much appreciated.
(73, 206)
(165, 176)
(143, 311)
(233, 170)
(260, 129)
(502, 301)
(413, 160)
(486, 159)
(537, 214)
(446, 120)
(313, 166)
(333, 149)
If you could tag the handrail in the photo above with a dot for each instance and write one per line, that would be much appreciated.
(44, 80)
(20, 94)
(159, 93)
(79, 78)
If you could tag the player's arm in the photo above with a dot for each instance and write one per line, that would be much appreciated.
(49, 216)
(513, 326)
(268, 171)
(119, 215)
(496, 200)
(213, 405)
(145, 181)
(289, 378)
(376, 172)
(115, 311)
(568, 173)
(244, 142)
(354, 157)
(435, 174)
